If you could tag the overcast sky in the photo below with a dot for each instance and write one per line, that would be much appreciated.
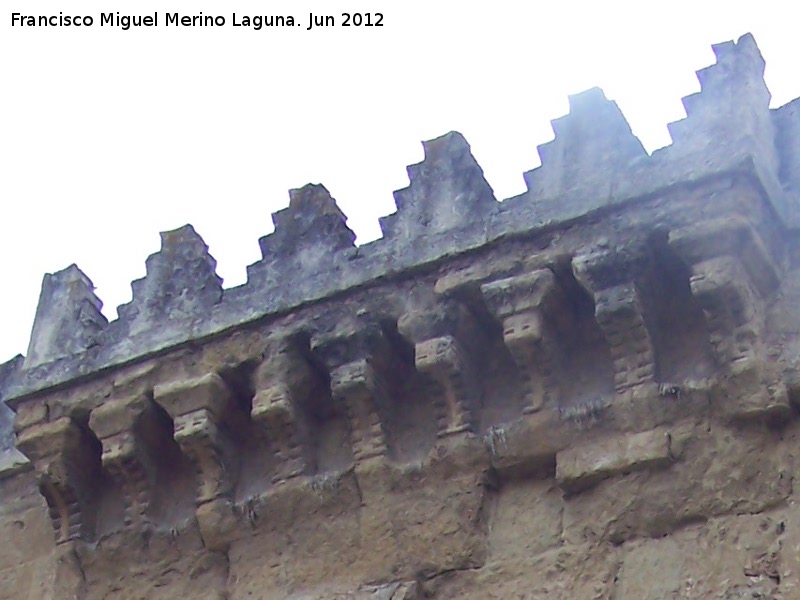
(110, 136)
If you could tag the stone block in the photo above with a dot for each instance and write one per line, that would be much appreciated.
(208, 392)
(565, 573)
(582, 465)
(29, 414)
(525, 520)
(752, 392)
(218, 522)
(161, 566)
(528, 443)
(721, 470)
(116, 416)
(26, 533)
(730, 557)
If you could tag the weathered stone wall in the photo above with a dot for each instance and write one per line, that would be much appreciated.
(586, 391)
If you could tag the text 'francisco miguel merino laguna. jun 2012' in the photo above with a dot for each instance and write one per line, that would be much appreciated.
(257, 22)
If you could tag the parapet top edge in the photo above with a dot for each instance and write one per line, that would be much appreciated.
(448, 209)
(24, 383)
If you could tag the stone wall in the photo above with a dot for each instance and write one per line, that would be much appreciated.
(586, 391)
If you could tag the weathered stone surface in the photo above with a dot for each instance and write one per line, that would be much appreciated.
(307, 236)
(181, 286)
(717, 471)
(582, 465)
(201, 410)
(587, 391)
(529, 443)
(448, 345)
(11, 460)
(786, 121)
(299, 536)
(430, 517)
(155, 567)
(68, 319)
(525, 520)
(730, 236)
(562, 573)
(730, 557)
(447, 195)
(594, 132)
(406, 590)
(27, 559)
(732, 105)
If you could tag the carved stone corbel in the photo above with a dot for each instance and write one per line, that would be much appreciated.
(527, 306)
(199, 408)
(731, 277)
(446, 340)
(285, 382)
(124, 456)
(66, 459)
(609, 276)
(364, 368)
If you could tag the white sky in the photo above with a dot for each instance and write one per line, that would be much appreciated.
(110, 136)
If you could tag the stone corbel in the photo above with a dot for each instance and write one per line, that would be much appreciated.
(66, 459)
(527, 306)
(720, 285)
(446, 341)
(609, 276)
(364, 368)
(200, 408)
(284, 383)
(731, 277)
(123, 459)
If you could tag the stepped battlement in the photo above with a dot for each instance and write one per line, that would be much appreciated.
(593, 164)
(588, 329)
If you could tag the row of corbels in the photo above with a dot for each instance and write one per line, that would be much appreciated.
(354, 373)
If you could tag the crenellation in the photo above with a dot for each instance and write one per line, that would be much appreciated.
(312, 218)
(68, 319)
(492, 395)
(343, 267)
(732, 106)
(570, 180)
(180, 287)
(786, 121)
(308, 235)
(447, 194)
